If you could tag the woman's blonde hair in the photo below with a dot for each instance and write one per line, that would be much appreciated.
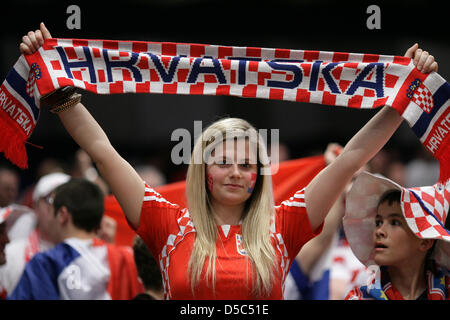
(258, 211)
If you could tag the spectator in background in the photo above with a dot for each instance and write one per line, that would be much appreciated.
(114, 227)
(396, 172)
(4, 240)
(380, 161)
(5, 213)
(389, 163)
(148, 271)
(9, 186)
(152, 174)
(84, 168)
(108, 229)
(309, 275)
(20, 251)
(45, 167)
(422, 170)
(346, 270)
(22, 220)
(81, 266)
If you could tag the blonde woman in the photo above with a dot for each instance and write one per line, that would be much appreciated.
(231, 242)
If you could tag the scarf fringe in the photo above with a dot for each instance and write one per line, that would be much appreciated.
(12, 143)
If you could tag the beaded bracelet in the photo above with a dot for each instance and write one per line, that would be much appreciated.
(72, 101)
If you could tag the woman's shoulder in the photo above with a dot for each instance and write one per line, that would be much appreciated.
(154, 198)
(296, 201)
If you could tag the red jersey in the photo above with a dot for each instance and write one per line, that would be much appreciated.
(169, 233)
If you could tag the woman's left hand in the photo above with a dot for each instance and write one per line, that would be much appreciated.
(423, 61)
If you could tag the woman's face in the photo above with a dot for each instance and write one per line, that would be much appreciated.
(231, 172)
(394, 242)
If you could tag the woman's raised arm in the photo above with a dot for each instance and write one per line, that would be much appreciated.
(121, 177)
(123, 180)
(325, 188)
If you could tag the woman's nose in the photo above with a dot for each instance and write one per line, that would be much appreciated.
(235, 172)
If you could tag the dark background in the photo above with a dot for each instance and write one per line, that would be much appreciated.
(140, 126)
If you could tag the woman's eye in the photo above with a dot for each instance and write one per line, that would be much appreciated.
(378, 223)
(395, 222)
(222, 164)
(220, 161)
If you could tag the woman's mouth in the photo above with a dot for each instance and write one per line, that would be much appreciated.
(233, 186)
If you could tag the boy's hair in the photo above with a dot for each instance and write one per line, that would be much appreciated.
(390, 196)
(84, 201)
(146, 265)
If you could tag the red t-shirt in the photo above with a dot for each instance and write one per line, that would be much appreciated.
(169, 233)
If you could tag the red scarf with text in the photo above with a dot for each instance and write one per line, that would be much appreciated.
(331, 78)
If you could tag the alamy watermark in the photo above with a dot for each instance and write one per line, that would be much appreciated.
(214, 140)
(74, 20)
(374, 20)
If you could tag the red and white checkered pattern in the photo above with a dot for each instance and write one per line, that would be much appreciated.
(280, 246)
(257, 73)
(297, 200)
(186, 226)
(31, 81)
(423, 98)
(425, 210)
(92, 72)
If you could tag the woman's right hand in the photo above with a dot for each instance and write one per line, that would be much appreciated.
(33, 40)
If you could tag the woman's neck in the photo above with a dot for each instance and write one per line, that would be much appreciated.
(224, 214)
(409, 279)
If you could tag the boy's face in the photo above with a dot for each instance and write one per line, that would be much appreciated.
(394, 242)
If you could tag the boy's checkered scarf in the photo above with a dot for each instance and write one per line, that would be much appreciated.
(382, 288)
(330, 78)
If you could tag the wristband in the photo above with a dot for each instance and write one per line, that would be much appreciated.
(67, 104)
